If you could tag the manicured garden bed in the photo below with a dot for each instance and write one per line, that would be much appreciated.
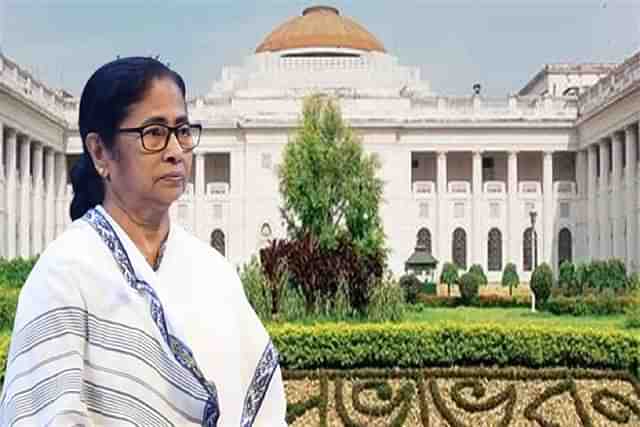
(462, 397)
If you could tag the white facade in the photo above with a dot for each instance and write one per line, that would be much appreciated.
(449, 163)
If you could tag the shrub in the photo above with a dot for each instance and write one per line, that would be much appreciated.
(273, 259)
(469, 284)
(597, 276)
(510, 277)
(4, 353)
(405, 345)
(337, 309)
(293, 305)
(387, 301)
(616, 274)
(632, 320)
(320, 272)
(14, 273)
(482, 301)
(567, 278)
(633, 283)
(477, 270)
(590, 305)
(449, 275)
(583, 278)
(253, 282)
(411, 286)
(429, 288)
(541, 282)
(8, 304)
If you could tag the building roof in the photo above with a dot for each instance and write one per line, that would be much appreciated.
(585, 68)
(320, 27)
(420, 258)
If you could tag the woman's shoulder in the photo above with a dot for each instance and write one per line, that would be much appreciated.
(74, 251)
(56, 279)
(73, 245)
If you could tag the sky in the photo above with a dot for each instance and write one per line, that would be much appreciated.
(500, 44)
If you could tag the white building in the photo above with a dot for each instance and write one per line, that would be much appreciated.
(461, 173)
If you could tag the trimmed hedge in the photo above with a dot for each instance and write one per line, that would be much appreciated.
(4, 352)
(406, 345)
(590, 305)
(14, 273)
(482, 301)
(8, 306)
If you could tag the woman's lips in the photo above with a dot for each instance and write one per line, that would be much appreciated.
(173, 177)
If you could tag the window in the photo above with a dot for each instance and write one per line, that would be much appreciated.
(494, 250)
(424, 239)
(459, 248)
(564, 246)
(218, 241)
(458, 210)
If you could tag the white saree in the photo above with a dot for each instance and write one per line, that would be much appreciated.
(101, 339)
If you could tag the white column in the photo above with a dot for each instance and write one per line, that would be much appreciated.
(514, 214)
(49, 185)
(36, 200)
(617, 222)
(11, 227)
(581, 205)
(592, 197)
(3, 198)
(444, 249)
(631, 141)
(477, 236)
(604, 200)
(548, 207)
(199, 195)
(24, 239)
(61, 186)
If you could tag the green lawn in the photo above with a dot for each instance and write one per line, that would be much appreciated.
(506, 316)
(512, 316)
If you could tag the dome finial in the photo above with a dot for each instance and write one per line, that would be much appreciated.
(320, 8)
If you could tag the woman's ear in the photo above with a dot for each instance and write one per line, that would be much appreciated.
(98, 153)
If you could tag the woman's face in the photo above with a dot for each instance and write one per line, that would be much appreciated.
(141, 179)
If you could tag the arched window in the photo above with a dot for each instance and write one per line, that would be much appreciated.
(218, 241)
(459, 248)
(424, 239)
(494, 250)
(564, 246)
(527, 250)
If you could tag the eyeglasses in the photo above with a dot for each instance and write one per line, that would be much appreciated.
(155, 137)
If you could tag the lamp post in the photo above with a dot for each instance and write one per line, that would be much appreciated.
(534, 236)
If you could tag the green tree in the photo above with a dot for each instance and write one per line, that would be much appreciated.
(329, 185)
(469, 284)
(449, 275)
(478, 271)
(510, 277)
(567, 279)
(541, 282)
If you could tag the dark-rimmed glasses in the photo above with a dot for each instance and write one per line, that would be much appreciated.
(155, 137)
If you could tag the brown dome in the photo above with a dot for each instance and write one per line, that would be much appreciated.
(320, 26)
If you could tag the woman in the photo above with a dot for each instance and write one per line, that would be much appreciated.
(126, 319)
